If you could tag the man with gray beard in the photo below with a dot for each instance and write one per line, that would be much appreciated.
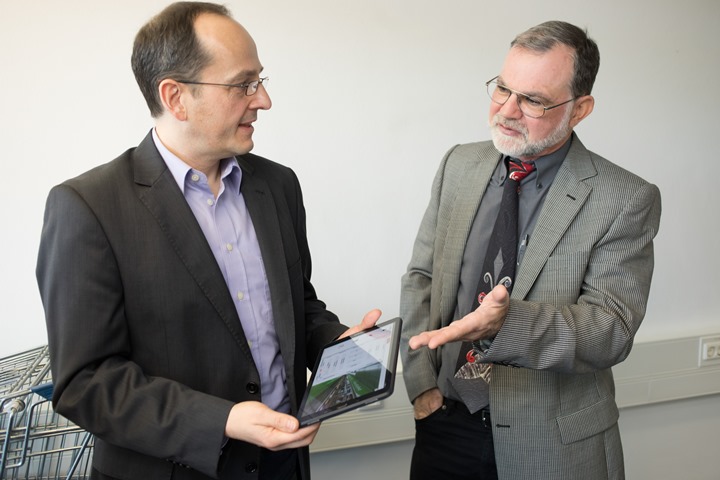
(508, 362)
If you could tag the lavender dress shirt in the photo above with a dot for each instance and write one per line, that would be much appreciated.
(229, 230)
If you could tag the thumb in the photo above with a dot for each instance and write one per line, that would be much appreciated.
(498, 296)
(370, 318)
(284, 423)
(368, 321)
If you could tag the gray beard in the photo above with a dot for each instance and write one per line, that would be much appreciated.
(522, 149)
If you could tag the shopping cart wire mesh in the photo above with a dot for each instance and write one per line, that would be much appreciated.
(35, 442)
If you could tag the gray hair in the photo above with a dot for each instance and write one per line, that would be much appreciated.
(586, 55)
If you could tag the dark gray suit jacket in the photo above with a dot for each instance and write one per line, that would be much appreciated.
(579, 297)
(147, 349)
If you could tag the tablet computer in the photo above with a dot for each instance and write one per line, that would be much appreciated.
(352, 372)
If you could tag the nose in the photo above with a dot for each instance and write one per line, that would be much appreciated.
(511, 107)
(261, 99)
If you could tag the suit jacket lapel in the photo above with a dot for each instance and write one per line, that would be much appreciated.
(470, 191)
(566, 197)
(264, 214)
(162, 197)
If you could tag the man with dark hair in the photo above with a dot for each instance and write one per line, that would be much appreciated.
(528, 281)
(176, 278)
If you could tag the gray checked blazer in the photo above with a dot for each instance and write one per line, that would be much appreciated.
(579, 297)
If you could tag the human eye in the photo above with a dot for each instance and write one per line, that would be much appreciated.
(238, 88)
(534, 102)
(502, 90)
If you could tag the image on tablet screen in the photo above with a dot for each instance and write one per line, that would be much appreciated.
(350, 370)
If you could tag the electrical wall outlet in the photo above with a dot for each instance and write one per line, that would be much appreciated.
(709, 351)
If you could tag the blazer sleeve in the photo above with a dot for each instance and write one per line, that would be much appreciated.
(588, 302)
(96, 384)
(420, 366)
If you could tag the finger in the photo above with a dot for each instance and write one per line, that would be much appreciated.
(498, 296)
(286, 423)
(281, 422)
(419, 340)
(368, 321)
(301, 438)
(458, 330)
(442, 337)
(370, 318)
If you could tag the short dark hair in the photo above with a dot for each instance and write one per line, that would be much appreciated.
(586, 54)
(167, 47)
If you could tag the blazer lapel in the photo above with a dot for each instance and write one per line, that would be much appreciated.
(566, 197)
(265, 218)
(160, 194)
(475, 179)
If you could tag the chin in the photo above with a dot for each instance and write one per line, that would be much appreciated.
(243, 148)
(505, 145)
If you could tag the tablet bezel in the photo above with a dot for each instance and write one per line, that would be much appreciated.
(367, 399)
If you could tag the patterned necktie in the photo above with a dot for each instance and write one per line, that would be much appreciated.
(498, 268)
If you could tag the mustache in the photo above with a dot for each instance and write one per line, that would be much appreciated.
(498, 120)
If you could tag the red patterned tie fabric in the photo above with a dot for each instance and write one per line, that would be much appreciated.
(519, 170)
(498, 268)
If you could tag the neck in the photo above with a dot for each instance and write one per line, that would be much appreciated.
(209, 166)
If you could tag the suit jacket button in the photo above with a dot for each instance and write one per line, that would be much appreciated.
(252, 388)
(251, 467)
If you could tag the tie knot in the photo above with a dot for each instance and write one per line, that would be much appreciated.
(518, 170)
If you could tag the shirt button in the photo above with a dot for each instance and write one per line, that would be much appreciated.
(240, 295)
(210, 202)
(195, 177)
(229, 247)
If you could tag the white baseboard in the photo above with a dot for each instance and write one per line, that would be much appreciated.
(654, 372)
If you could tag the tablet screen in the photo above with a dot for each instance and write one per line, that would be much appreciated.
(352, 372)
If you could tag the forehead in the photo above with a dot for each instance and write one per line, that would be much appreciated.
(232, 48)
(538, 73)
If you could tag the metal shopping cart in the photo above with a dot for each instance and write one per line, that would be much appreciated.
(35, 442)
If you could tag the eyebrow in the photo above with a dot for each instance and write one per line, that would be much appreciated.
(245, 74)
(533, 95)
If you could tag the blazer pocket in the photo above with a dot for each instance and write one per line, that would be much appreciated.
(589, 421)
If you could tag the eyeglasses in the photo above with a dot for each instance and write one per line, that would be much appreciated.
(249, 88)
(528, 105)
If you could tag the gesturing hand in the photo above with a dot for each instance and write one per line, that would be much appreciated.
(484, 322)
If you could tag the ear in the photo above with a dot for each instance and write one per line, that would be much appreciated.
(582, 108)
(172, 95)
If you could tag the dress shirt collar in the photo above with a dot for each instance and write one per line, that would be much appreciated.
(181, 171)
(546, 166)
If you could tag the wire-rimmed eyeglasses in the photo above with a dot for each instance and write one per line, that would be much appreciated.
(532, 107)
(250, 88)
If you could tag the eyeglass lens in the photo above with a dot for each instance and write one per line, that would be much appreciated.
(252, 87)
(500, 95)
